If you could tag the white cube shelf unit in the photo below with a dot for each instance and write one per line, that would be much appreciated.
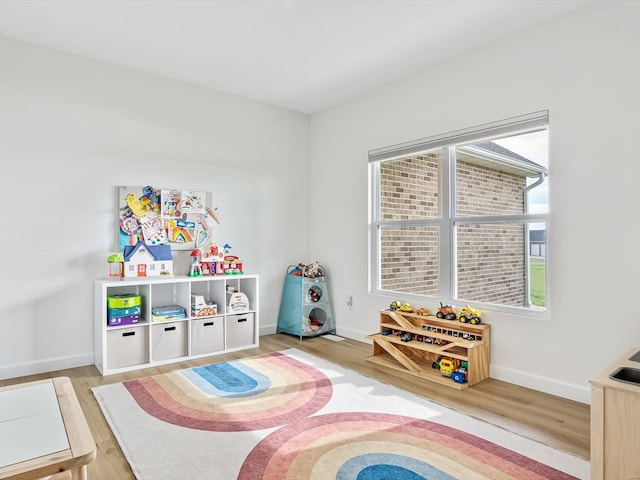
(149, 343)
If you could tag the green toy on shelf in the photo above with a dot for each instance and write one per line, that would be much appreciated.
(116, 264)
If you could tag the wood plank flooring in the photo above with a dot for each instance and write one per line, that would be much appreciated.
(560, 423)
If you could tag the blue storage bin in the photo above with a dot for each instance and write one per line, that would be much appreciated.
(305, 306)
(123, 312)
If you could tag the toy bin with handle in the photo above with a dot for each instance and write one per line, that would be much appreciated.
(124, 301)
(305, 305)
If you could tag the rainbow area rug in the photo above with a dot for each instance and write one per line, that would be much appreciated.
(292, 416)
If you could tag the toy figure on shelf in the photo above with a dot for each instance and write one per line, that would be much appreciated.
(195, 270)
(116, 265)
(209, 259)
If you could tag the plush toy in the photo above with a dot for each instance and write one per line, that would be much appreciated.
(312, 271)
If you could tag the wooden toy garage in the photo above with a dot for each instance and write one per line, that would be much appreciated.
(305, 307)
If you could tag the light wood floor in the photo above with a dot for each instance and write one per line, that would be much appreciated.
(557, 422)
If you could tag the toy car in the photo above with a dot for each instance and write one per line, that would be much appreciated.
(446, 312)
(436, 364)
(460, 376)
(406, 308)
(406, 337)
(447, 367)
(469, 315)
(395, 305)
(423, 311)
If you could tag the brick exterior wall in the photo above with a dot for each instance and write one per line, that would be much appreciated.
(485, 191)
(491, 263)
(410, 256)
(410, 259)
(409, 188)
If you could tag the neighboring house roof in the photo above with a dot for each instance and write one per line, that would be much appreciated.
(158, 252)
(489, 154)
(495, 148)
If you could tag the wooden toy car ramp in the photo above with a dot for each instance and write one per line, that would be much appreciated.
(413, 344)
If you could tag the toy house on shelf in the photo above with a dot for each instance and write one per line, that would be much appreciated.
(210, 258)
(215, 261)
(142, 260)
(230, 265)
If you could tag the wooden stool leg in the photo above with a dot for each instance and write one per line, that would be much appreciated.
(80, 473)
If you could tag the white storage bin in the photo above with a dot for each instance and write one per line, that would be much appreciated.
(127, 346)
(207, 335)
(168, 340)
(240, 330)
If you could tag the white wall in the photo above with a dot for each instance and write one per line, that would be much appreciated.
(71, 130)
(583, 68)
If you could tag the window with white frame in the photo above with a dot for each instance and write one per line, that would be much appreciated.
(462, 217)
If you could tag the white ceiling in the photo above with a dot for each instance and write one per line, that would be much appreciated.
(304, 55)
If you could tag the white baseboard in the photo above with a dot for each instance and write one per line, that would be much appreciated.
(267, 329)
(578, 393)
(353, 334)
(45, 366)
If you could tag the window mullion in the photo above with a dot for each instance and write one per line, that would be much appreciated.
(374, 225)
(524, 218)
(447, 207)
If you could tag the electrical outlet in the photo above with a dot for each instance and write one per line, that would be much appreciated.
(350, 301)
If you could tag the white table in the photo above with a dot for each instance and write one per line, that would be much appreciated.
(43, 431)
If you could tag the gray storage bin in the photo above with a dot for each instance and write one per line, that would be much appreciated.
(168, 340)
(207, 335)
(240, 330)
(127, 346)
